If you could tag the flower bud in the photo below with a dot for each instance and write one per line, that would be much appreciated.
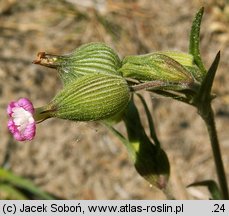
(156, 66)
(186, 60)
(92, 58)
(91, 97)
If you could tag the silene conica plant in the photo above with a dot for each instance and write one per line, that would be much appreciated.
(98, 86)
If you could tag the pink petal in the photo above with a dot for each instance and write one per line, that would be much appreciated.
(18, 136)
(18, 118)
(10, 107)
(13, 129)
(26, 104)
(30, 131)
(11, 126)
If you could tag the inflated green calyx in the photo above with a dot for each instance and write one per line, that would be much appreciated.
(91, 58)
(90, 98)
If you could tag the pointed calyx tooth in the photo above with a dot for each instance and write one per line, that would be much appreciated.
(47, 60)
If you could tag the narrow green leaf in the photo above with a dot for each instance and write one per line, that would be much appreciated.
(212, 187)
(151, 161)
(194, 40)
(126, 143)
(8, 177)
(150, 121)
(206, 86)
(8, 192)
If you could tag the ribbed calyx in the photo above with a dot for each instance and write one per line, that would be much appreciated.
(168, 67)
(91, 97)
(91, 58)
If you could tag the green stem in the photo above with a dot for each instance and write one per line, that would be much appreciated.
(208, 118)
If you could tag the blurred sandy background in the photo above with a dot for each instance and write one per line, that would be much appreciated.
(75, 160)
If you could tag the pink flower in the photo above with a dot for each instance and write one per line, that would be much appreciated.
(21, 123)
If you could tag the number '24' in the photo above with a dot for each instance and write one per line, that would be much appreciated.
(219, 208)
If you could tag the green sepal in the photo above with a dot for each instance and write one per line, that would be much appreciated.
(182, 58)
(195, 71)
(90, 98)
(157, 67)
(186, 60)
